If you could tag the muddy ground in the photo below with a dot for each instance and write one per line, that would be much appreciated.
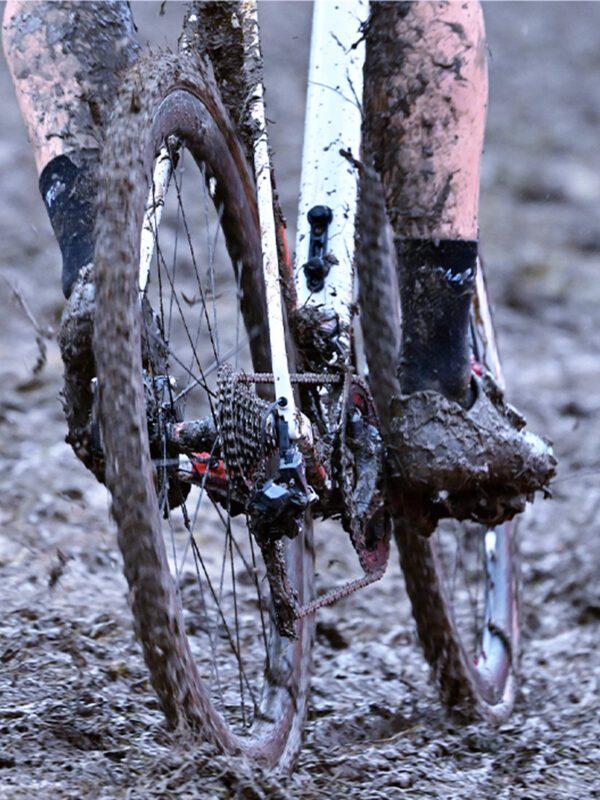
(77, 716)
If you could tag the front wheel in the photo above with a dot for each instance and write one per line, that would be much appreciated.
(170, 311)
(463, 584)
(462, 581)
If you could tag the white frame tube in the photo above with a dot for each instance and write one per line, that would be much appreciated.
(333, 123)
(264, 195)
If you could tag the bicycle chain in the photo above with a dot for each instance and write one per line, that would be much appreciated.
(295, 377)
(248, 442)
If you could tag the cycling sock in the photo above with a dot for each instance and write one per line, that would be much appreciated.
(69, 193)
(437, 280)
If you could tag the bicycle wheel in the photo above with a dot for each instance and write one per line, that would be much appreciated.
(199, 595)
(462, 581)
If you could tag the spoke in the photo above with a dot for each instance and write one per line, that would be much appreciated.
(472, 593)
(214, 660)
(150, 336)
(181, 314)
(157, 255)
(211, 273)
(200, 496)
(479, 600)
(455, 550)
(208, 371)
(191, 541)
(223, 617)
(190, 527)
(224, 621)
(200, 565)
(198, 280)
(160, 258)
(229, 538)
(207, 227)
(457, 561)
(259, 596)
(252, 572)
(177, 221)
(211, 247)
(443, 557)
(235, 544)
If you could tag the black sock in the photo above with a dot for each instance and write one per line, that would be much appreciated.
(437, 280)
(69, 193)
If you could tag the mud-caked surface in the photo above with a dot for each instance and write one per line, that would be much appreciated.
(86, 45)
(78, 718)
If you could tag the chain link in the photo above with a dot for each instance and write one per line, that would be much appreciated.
(295, 377)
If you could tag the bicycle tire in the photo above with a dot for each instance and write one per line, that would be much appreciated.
(162, 96)
(473, 682)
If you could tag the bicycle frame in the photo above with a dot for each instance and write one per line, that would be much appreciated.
(332, 133)
(332, 138)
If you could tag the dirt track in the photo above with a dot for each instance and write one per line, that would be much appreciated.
(77, 716)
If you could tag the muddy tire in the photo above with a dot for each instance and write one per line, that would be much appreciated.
(162, 97)
(475, 672)
(463, 580)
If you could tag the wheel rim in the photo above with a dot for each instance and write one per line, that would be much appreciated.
(475, 568)
(261, 711)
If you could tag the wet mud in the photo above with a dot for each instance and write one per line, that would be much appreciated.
(69, 52)
(488, 469)
(425, 111)
(78, 717)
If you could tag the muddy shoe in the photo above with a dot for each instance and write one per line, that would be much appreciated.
(477, 463)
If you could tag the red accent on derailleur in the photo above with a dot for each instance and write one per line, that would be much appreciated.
(476, 367)
(216, 478)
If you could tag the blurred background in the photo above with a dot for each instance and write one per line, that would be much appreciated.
(375, 724)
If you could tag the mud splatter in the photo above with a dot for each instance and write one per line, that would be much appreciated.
(77, 715)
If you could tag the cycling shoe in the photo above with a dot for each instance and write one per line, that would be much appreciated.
(477, 463)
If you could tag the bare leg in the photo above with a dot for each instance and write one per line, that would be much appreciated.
(425, 103)
(64, 59)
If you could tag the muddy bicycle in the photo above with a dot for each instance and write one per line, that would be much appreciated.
(228, 408)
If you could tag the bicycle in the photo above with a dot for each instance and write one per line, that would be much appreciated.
(270, 420)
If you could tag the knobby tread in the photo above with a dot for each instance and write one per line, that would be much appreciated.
(126, 168)
(380, 323)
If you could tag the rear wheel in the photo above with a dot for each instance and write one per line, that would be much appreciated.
(199, 593)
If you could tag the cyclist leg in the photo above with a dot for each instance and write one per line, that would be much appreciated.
(424, 118)
(64, 59)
